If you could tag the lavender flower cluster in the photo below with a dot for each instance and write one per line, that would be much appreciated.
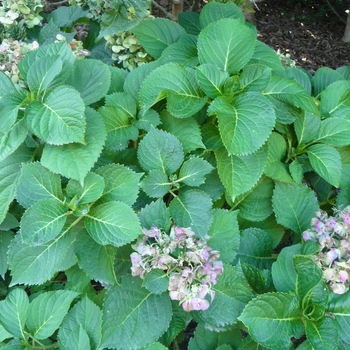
(191, 264)
(332, 234)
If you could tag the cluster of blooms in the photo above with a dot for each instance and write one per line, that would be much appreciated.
(286, 59)
(191, 264)
(76, 46)
(127, 50)
(20, 12)
(11, 52)
(332, 234)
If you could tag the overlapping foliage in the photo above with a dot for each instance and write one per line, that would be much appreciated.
(215, 134)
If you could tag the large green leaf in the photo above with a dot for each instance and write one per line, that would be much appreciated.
(156, 281)
(227, 43)
(36, 264)
(156, 34)
(156, 184)
(326, 162)
(179, 84)
(232, 294)
(190, 22)
(224, 234)
(55, 121)
(122, 102)
(155, 214)
(256, 248)
(245, 124)
(43, 221)
(5, 240)
(91, 78)
(186, 130)
(35, 183)
(75, 160)
(10, 169)
(192, 209)
(119, 127)
(84, 314)
(95, 259)
(240, 173)
(323, 77)
(255, 77)
(121, 183)
(112, 223)
(13, 312)
(46, 312)
(290, 92)
(132, 316)
(160, 150)
(322, 335)
(6, 85)
(294, 206)
(265, 55)
(307, 127)
(334, 131)
(43, 72)
(214, 11)
(193, 171)
(272, 319)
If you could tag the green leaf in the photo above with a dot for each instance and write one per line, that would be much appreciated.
(232, 294)
(193, 171)
(43, 72)
(256, 205)
(155, 214)
(46, 312)
(301, 76)
(96, 260)
(84, 314)
(112, 223)
(307, 127)
(14, 138)
(339, 307)
(190, 22)
(10, 169)
(211, 79)
(6, 85)
(255, 77)
(259, 280)
(265, 55)
(118, 76)
(224, 234)
(119, 128)
(91, 78)
(290, 92)
(294, 206)
(186, 130)
(334, 131)
(240, 173)
(37, 182)
(180, 86)
(78, 281)
(246, 124)
(159, 150)
(155, 346)
(214, 11)
(256, 248)
(122, 102)
(43, 221)
(272, 319)
(323, 77)
(296, 171)
(322, 335)
(326, 162)
(121, 184)
(283, 271)
(132, 316)
(335, 97)
(75, 160)
(4, 334)
(89, 191)
(156, 184)
(156, 281)
(55, 121)
(249, 344)
(147, 119)
(65, 16)
(5, 240)
(213, 186)
(227, 43)
(192, 209)
(36, 264)
(13, 312)
(156, 34)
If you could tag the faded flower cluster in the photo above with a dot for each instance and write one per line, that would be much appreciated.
(332, 234)
(75, 45)
(11, 52)
(191, 264)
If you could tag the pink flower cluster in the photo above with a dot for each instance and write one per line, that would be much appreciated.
(191, 264)
(332, 234)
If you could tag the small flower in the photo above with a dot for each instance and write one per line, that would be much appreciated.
(195, 304)
(135, 258)
(343, 276)
(330, 257)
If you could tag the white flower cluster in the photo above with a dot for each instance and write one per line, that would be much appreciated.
(76, 46)
(191, 264)
(332, 234)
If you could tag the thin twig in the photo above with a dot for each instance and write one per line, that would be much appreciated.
(161, 8)
(334, 10)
